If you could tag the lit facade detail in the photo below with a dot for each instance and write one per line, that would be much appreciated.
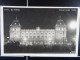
(38, 36)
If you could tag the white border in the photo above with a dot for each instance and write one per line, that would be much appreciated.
(33, 54)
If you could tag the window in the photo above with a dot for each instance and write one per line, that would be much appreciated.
(14, 33)
(34, 33)
(45, 33)
(45, 36)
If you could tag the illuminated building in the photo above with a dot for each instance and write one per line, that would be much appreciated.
(38, 36)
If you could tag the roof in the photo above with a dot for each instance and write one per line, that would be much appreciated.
(15, 22)
(60, 22)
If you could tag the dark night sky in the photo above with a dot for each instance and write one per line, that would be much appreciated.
(54, 3)
(13, 2)
(30, 18)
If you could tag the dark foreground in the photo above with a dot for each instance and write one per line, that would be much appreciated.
(16, 48)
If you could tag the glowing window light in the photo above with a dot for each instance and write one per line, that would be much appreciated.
(49, 38)
(24, 38)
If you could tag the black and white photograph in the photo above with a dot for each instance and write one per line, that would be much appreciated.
(39, 31)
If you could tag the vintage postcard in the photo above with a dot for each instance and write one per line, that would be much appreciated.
(39, 31)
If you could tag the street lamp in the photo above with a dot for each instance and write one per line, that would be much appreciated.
(72, 25)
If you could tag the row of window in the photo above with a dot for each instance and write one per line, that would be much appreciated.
(60, 28)
(37, 36)
(36, 33)
(38, 43)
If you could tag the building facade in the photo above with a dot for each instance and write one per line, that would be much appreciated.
(38, 36)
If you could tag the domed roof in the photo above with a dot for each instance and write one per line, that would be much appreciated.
(15, 22)
(60, 22)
